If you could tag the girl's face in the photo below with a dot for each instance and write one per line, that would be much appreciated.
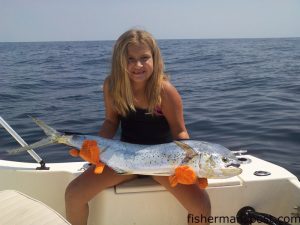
(139, 63)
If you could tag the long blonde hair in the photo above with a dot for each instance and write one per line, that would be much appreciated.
(119, 82)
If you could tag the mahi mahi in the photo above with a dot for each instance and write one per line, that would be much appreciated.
(183, 161)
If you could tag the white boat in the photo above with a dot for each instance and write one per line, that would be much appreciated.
(266, 187)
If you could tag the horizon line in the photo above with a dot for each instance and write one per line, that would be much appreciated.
(158, 39)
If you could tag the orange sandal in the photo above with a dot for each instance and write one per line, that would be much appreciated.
(89, 152)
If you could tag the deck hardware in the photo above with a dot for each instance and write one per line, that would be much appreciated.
(297, 211)
(261, 173)
(43, 166)
(244, 160)
(247, 215)
(240, 152)
(85, 167)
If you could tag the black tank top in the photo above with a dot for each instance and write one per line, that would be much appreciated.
(140, 127)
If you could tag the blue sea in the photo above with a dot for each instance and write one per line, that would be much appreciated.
(241, 93)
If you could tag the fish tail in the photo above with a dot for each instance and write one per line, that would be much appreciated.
(49, 131)
(53, 137)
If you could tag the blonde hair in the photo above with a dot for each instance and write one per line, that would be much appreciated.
(119, 82)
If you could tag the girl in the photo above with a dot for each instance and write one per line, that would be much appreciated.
(139, 97)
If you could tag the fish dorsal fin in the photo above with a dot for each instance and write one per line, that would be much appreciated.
(189, 151)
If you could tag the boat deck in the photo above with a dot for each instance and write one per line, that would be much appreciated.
(142, 201)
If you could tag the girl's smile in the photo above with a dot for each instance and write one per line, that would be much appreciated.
(139, 63)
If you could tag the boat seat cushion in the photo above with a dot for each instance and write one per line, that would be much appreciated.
(18, 208)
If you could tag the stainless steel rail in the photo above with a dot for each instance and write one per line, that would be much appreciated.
(20, 140)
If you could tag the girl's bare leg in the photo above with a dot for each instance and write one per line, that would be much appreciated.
(194, 200)
(83, 188)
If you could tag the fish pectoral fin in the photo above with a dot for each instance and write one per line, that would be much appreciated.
(190, 153)
(183, 175)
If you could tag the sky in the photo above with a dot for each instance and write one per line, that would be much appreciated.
(83, 20)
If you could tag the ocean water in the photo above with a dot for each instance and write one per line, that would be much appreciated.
(241, 93)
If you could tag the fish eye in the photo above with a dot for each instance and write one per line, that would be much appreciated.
(225, 159)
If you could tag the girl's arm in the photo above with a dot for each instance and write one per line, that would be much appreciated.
(111, 122)
(173, 111)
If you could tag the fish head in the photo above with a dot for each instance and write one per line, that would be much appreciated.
(216, 165)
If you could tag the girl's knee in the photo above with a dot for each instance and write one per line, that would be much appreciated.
(71, 192)
(203, 211)
(205, 202)
(75, 193)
